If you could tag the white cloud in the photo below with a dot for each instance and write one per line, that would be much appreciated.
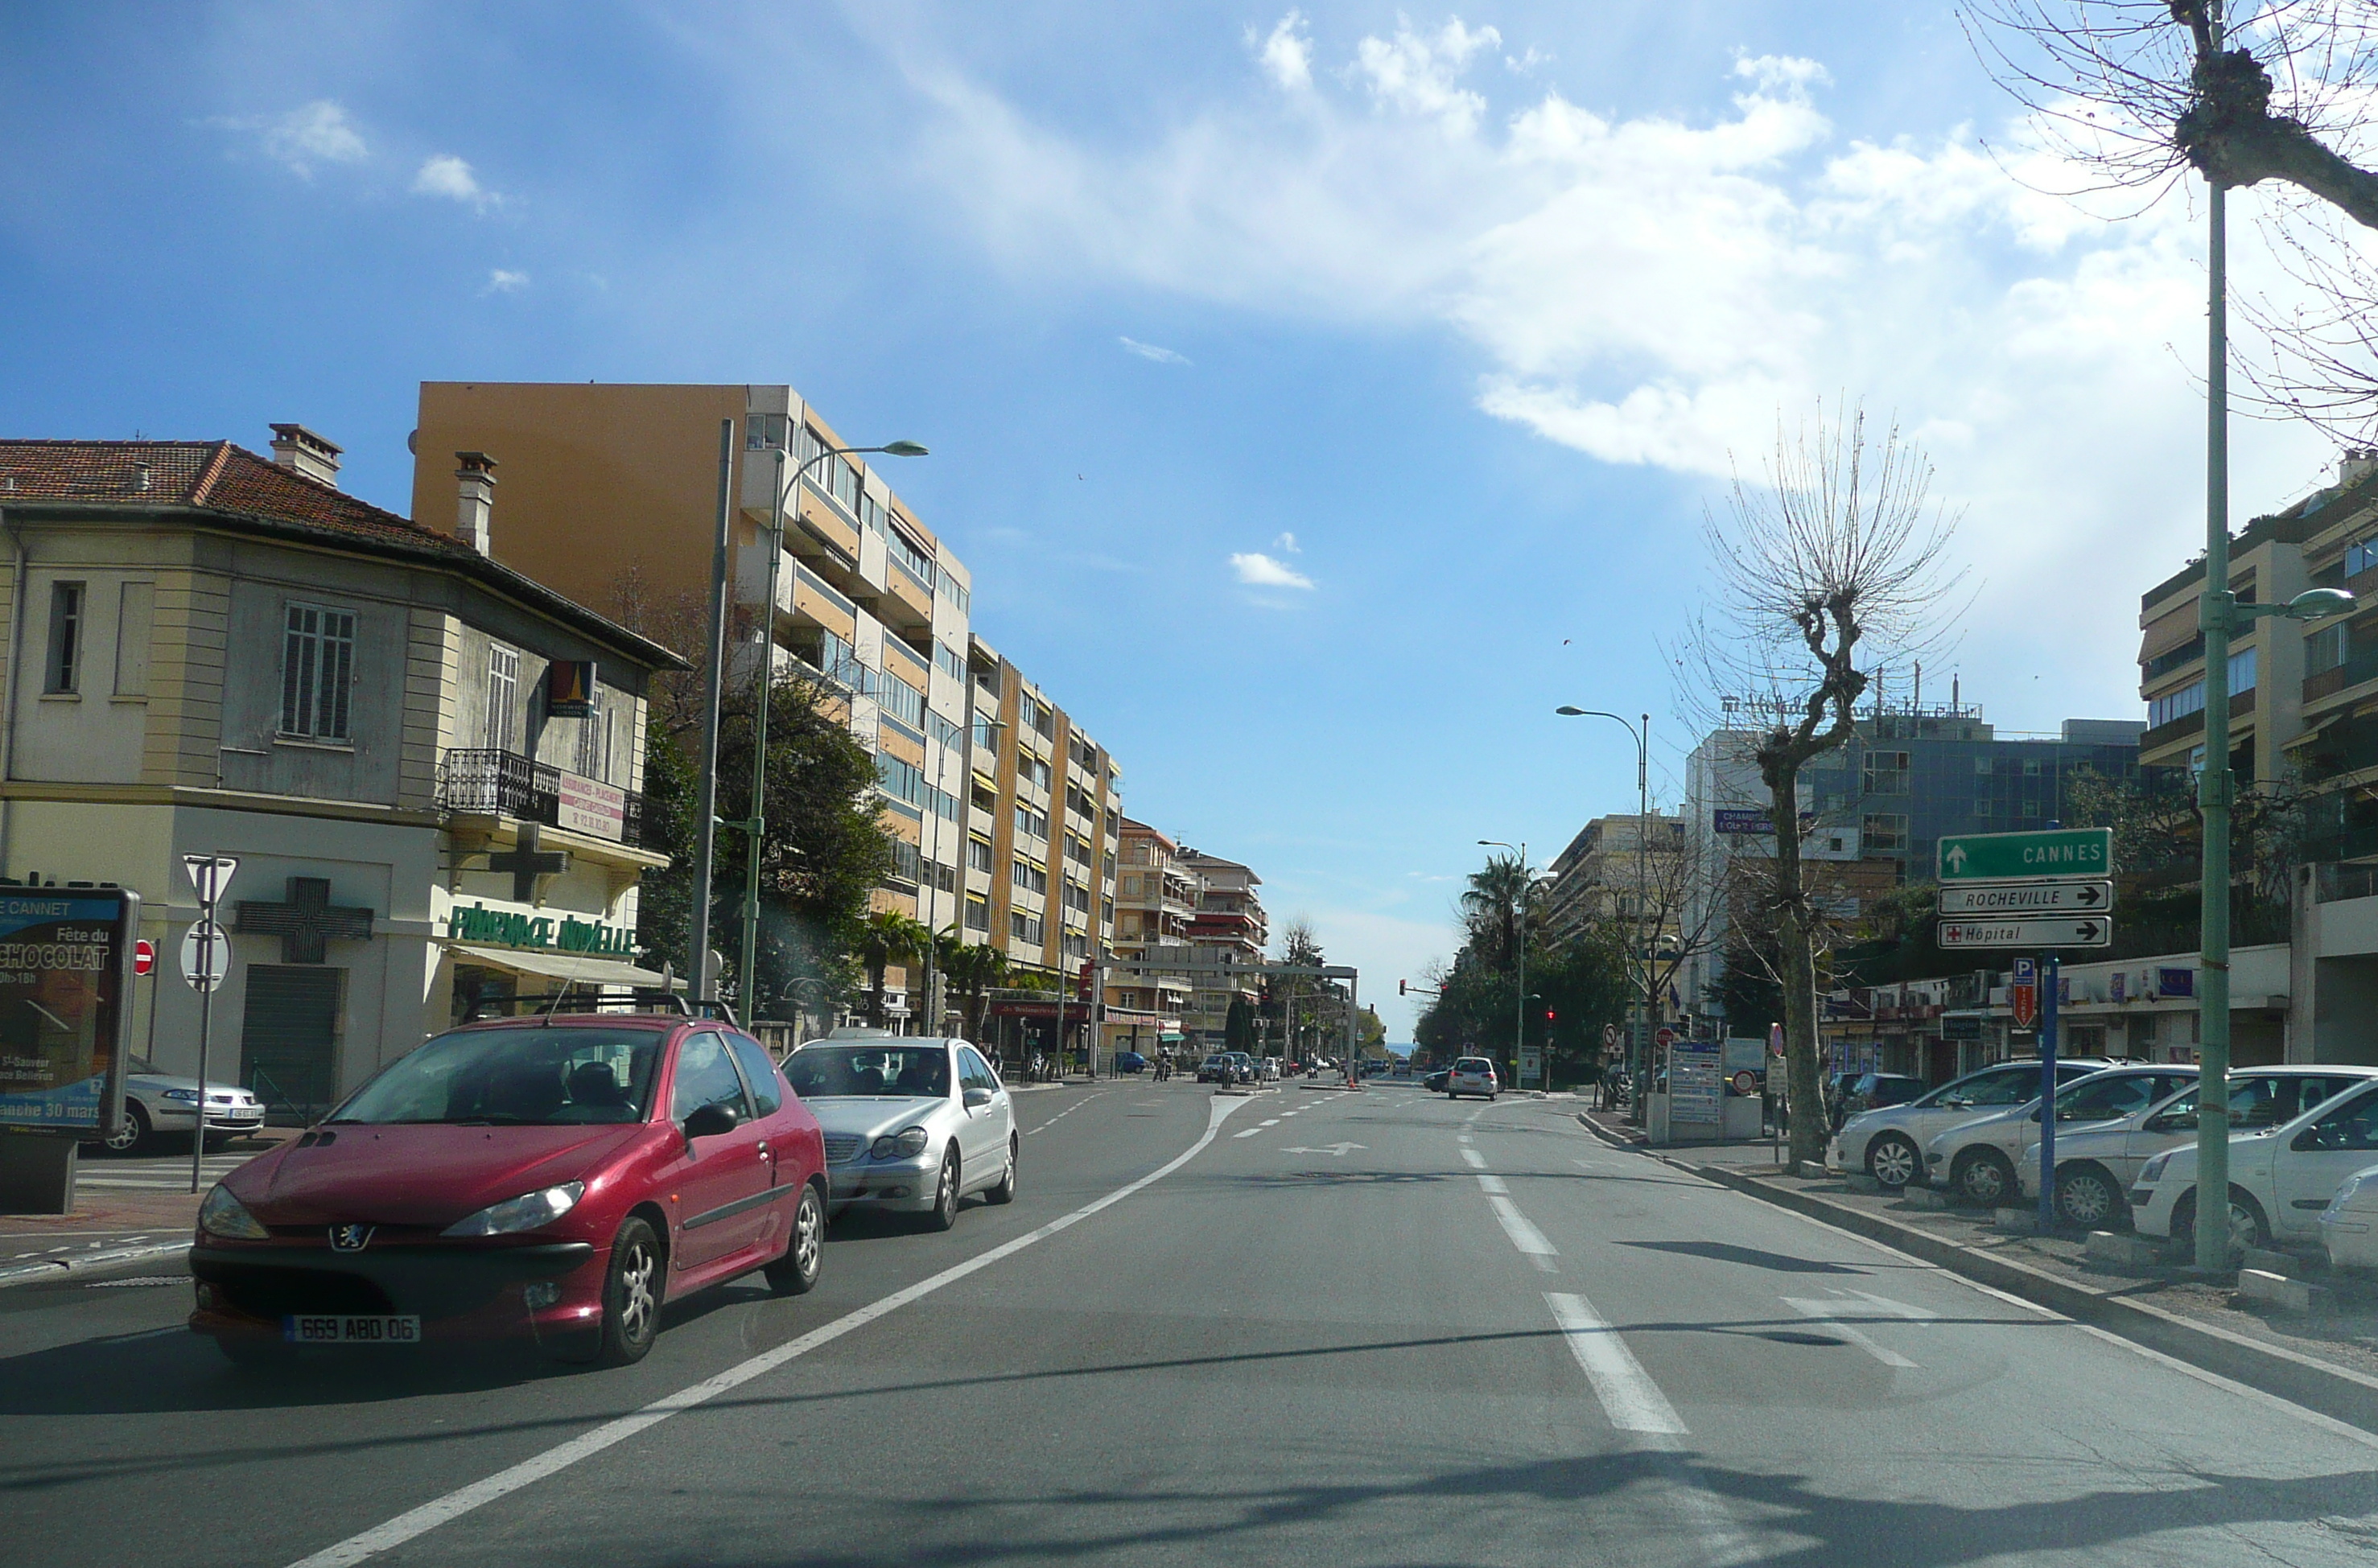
(1655, 289)
(1415, 73)
(447, 176)
(1261, 571)
(313, 133)
(1149, 351)
(1286, 543)
(1285, 55)
(503, 280)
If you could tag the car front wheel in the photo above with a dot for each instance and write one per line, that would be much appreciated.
(133, 1135)
(1984, 1179)
(2247, 1228)
(632, 1296)
(2087, 1197)
(1894, 1162)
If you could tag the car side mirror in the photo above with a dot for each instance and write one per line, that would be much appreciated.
(1956, 1102)
(977, 1098)
(709, 1121)
(2174, 1121)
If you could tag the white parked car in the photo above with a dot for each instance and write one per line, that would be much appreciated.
(2348, 1226)
(1976, 1159)
(158, 1102)
(912, 1125)
(1888, 1143)
(2281, 1181)
(2095, 1165)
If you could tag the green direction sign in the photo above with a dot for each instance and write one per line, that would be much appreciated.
(2047, 854)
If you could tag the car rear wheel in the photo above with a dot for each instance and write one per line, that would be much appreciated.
(632, 1296)
(134, 1134)
(796, 1274)
(1984, 1179)
(945, 1197)
(2087, 1197)
(1005, 1192)
(1894, 1161)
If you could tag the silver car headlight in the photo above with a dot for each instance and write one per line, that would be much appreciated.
(526, 1212)
(182, 1097)
(907, 1143)
(2152, 1172)
(223, 1215)
(2346, 1194)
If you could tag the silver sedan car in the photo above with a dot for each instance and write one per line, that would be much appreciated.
(912, 1125)
(158, 1102)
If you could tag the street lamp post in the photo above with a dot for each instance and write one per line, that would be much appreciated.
(1642, 737)
(1520, 949)
(747, 975)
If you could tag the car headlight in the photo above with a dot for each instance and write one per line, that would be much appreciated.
(184, 1096)
(223, 1215)
(908, 1143)
(2152, 1172)
(525, 1213)
(2344, 1194)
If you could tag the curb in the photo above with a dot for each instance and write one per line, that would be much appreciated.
(2336, 1392)
(87, 1262)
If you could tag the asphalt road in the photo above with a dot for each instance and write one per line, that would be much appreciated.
(1345, 1328)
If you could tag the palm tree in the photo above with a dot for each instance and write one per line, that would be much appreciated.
(1499, 905)
(972, 968)
(885, 938)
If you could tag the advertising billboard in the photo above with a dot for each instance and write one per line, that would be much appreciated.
(66, 992)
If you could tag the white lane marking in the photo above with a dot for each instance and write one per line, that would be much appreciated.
(1896, 1309)
(1488, 1184)
(1477, 1161)
(1525, 1237)
(1827, 1314)
(419, 1521)
(1248, 1133)
(1273, 1122)
(1629, 1397)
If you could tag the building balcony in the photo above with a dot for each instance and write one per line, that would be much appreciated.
(476, 781)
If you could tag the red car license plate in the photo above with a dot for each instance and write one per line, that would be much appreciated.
(339, 1328)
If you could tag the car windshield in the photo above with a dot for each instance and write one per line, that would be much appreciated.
(821, 1072)
(556, 1076)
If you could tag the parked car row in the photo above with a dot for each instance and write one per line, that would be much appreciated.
(2303, 1149)
(564, 1178)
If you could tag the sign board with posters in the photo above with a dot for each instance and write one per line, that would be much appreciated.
(1696, 1089)
(590, 807)
(65, 1012)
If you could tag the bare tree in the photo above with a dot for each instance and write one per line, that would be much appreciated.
(1835, 564)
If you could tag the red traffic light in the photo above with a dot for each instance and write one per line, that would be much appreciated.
(1548, 1015)
(1399, 987)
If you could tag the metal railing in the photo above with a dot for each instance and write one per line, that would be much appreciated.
(499, 783)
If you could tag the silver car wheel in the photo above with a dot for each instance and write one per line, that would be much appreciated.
(1893, 1161)
(636, 1292)
(2085, 1197)
(131, 1134)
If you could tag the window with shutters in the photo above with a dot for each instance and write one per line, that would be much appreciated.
(502, 727)
(595, 743)
(63, 671)
(317, 655)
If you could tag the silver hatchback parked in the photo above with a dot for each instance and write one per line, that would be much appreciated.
(1888, 1143)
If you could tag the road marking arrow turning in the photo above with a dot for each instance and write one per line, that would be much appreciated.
(1337, 1149)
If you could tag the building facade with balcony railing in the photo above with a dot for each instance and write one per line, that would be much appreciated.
(229, 655)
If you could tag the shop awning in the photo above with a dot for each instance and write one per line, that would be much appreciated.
(611, 972)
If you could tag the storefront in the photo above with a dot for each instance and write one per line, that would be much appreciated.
(498, 957)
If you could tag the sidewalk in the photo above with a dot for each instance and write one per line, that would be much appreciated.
(113, 1224)
(2326, 1358)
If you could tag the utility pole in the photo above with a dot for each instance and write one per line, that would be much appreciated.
(2214, 785)
(705, 826)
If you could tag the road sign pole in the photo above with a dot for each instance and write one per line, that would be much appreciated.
(2052, 967)
(205, 1033)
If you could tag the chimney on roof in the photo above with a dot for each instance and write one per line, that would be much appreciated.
(476, 479)
(2357, 464)
(306, 454)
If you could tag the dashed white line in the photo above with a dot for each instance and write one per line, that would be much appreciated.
(1491, 1183)
(1477, 1161)
(1524, 1236)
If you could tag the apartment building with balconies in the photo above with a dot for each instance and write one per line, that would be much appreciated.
(1618, 867)
(1157, 896)
(426, 763)
(1230, 927)
(612, 496)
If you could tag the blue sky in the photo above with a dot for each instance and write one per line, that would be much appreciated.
(1458, 321)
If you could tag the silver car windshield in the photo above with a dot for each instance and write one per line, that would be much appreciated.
(848, 1071)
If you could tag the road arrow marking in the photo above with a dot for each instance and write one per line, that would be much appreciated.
(1337, 1149)
(1823, 1313)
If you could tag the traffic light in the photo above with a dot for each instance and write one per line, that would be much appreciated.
(1399, 987)
(1548, 1015)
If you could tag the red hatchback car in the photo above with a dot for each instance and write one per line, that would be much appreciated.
(558, 1177)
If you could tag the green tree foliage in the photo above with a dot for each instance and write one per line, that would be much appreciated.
(1239, 1025)
(1582, 982)
(825, 848)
